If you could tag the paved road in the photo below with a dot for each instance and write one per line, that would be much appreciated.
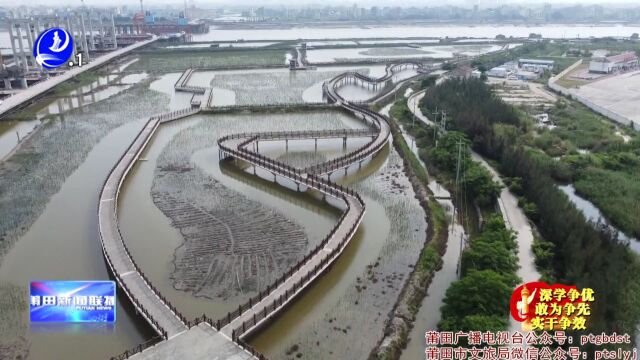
(44, 86)
(516, 220)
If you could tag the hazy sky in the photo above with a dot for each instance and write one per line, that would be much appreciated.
(216, 3)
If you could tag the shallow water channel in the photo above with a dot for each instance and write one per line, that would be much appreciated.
(428, 315)
(592, 213)
(48, 195)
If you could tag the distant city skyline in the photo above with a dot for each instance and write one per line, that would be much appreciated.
(304, 3)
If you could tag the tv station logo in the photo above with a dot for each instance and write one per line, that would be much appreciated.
(72, 301)
(53, 48)
(543, 307)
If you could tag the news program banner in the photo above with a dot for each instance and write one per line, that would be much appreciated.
(72, 301)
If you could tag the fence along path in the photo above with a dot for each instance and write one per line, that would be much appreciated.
(183, 81)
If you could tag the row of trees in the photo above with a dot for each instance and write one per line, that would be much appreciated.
(477, 180)
(479, 301)
(584, 255)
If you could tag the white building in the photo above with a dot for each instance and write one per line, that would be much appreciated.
(604, 65)
(503, 70)
(498, 71)
(535, 65)
(527, 75)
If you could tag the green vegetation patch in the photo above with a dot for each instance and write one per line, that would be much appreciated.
(474, 177)
(615, 193)
(591, 152)
(543, 50)
(178, 61)
(582, 254)
(394, 51)
(583, 128)
(479, 301)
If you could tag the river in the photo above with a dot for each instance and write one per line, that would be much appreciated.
(556, 31)
(592, 213)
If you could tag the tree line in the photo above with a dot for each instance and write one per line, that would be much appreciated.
(584, 254)
(479, 301)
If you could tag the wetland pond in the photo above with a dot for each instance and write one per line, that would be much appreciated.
(592, 213)
(183, 177)
(49, 193)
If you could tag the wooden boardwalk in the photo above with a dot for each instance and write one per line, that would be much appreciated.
(258, 310)
(162, 316)
(261, 308)
(199, 339)
(183, 84)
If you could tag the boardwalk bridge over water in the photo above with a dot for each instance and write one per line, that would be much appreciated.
(203, 337)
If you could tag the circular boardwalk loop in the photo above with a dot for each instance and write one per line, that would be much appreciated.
(202, 337)
(257, 311)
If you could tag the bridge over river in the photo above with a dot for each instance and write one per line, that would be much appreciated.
(205, 338)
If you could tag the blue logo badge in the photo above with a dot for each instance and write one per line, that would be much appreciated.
(53, 48)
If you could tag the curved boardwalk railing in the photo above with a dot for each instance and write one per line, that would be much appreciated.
(277, 295)
(249, 316)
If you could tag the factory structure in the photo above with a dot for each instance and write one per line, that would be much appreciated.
(94, 31)
(144, 22)
(523, 69)
(608, 64)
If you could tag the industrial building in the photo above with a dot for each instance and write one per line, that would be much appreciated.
(605, 65)
(535, 65)
(93, 31)
(148, 24)
(503, 70)
(523, 69)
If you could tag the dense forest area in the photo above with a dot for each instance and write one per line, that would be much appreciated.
(475, 180)
(583, 254)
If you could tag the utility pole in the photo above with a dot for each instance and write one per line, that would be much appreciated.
(459, 270)
(185, 9)
(444, 121)
(435, 121)
(414, 114)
